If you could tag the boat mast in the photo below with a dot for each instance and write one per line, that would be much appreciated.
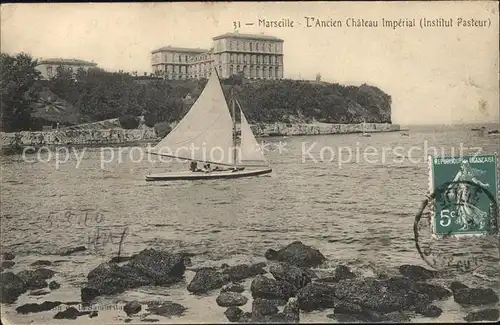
(234, 124)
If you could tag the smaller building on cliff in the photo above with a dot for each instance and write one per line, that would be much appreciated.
(48, 67)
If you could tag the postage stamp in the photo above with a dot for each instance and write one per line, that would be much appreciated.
(465, 196)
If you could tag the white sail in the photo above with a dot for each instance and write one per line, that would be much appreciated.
(250, 151)
(205, 133)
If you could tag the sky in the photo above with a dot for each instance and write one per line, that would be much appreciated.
(434, 75)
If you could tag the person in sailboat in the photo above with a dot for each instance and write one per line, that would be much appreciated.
(206, 168)
(193, 166)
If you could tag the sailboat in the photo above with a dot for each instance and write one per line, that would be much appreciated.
(207, 134)
(364, 132)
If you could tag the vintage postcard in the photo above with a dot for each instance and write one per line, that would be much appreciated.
(249, 162)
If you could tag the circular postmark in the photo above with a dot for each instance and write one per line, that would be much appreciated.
(452, 233)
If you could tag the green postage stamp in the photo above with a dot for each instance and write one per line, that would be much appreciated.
(465, 195)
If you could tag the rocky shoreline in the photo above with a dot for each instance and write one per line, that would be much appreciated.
(285, 288)
(118, 136)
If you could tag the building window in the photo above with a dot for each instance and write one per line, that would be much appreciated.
(276, 73)
(250, 46)
(257, 46)
(277, 48)
(270, 47)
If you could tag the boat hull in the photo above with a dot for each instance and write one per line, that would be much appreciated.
(188, 176)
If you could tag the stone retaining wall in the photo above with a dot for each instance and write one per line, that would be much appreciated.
(122, 136)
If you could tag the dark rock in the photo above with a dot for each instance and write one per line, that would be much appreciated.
(310, 273)
(260, 265)
(36, 308)
(292, 311)
(279, 318)
(457, 285)
(8, 256)
(263, 307)
(429, 311)
(132, 308)
(149, 267)
(93, 314)
(489, 314)
(35, 279)
(167, 309)
(243, 271)
(329, 279)
(160, 268)
(233, 287)
(228, 299)
(41, 263)
(278, 302)
(233, 313)
(392, 317)
(224, 266)
(206, 279)
(53, 285)
(151, 320)
(433, 291)
(297, 254)
(315, 296)
(263, 287)
(69, 313)
(72, 303)
(8, 264)
(128, 320)
(245, 318)
(291, 274)
(347, 318)
(120, 259)
(73, 250)
(39, 292)
(370, 316)
(416, 272)
(44, 273)
(475, 296)
(394, 294)
(88, 294)
(342, 272)
(11, 287)
(346, 307)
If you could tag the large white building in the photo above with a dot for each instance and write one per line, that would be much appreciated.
(253, 56)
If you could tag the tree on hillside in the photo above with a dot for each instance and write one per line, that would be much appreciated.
(17, 90)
